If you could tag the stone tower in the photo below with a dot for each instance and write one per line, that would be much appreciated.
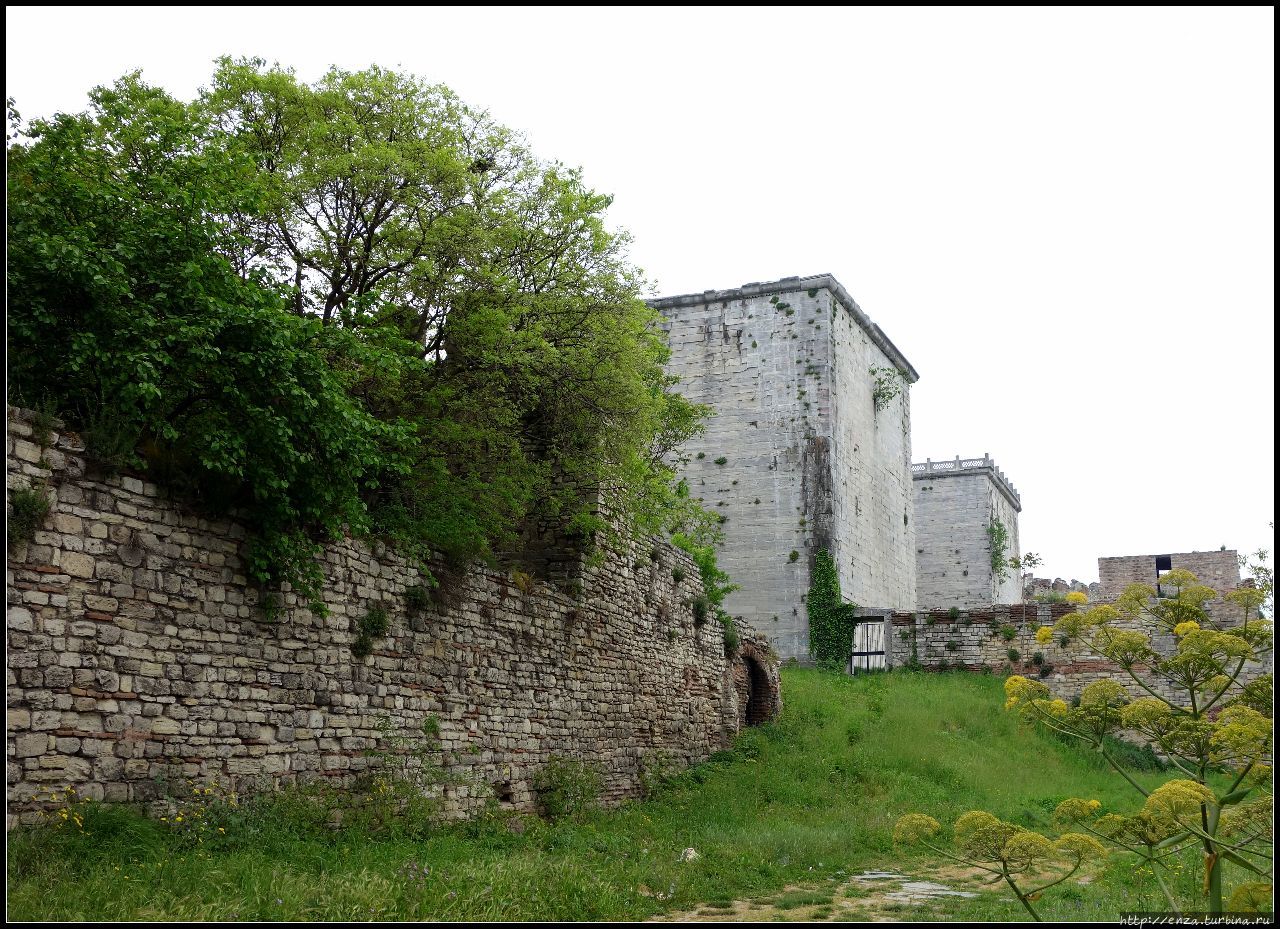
(809, 447)
(959, 506)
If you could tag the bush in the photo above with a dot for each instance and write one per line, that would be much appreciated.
(657, 771)
(677, 574)
(373, 625)
(1008, 632)
(417, 598)
(731, 640)
(1013, 654)
(28, 509)
(794, 556)
(700, 605)
(566, 788)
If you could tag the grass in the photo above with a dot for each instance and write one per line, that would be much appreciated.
(805, 800)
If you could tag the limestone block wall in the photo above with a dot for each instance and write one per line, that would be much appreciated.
(874, 506)
(1033, 586)
(955, 502)
(136, 652)
(1219, 570)
(794, 458)
(972, 640)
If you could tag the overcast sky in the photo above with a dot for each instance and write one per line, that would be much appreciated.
(1064, 218)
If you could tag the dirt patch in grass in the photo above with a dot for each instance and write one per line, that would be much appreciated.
(870, 896)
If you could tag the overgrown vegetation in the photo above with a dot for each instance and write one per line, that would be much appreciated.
(715, 583)
(731, 638)
(417, 598)
(831, 619)
(888, 383)
(802, 801)
(372, 625)
(1215, 730)
(28, 509)
(567, 787)
(353, 304)
(998, 535)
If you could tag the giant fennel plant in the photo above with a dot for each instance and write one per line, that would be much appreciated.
(1196, 708)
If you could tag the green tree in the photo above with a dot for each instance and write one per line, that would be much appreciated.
(357, 304)
(1025, 566)
(392, 206)
(124, 312)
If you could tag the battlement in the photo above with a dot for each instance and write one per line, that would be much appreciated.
(787, 285)
(962, 466)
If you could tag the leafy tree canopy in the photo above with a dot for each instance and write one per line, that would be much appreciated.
(353, 303)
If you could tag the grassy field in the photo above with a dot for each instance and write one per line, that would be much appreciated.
(800, 803)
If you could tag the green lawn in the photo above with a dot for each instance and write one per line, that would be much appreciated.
(801, 801)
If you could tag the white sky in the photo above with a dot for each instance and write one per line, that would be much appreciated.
(1063, 217)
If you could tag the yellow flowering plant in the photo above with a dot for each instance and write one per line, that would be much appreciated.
(1010, 853)
(1194, 708)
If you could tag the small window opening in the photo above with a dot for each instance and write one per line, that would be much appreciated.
(1164, 564)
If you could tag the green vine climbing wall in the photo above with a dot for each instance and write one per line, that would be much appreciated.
(831, 620)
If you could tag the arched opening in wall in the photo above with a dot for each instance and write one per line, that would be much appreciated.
(759, 703)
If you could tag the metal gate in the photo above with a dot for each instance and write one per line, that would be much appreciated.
(868, 646)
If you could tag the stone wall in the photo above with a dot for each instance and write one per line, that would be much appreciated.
(955, 502)
(136, 652)
(972, 640)
(1033, 587)
(874, 507)
(795, 458)
(1219, 570)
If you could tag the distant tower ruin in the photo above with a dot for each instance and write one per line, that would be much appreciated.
(809, 447)
(966, 532)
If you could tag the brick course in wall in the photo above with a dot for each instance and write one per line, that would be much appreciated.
(136, 652)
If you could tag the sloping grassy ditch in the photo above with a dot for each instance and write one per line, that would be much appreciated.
(803, 803)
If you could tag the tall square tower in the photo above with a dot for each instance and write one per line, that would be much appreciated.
(966, 532)
(809, 448)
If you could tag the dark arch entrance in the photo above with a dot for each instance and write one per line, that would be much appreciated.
(757, 708)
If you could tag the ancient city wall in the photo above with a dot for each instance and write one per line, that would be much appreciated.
(955, 502)
(795, 458)
(972, 640)
(136, 652)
